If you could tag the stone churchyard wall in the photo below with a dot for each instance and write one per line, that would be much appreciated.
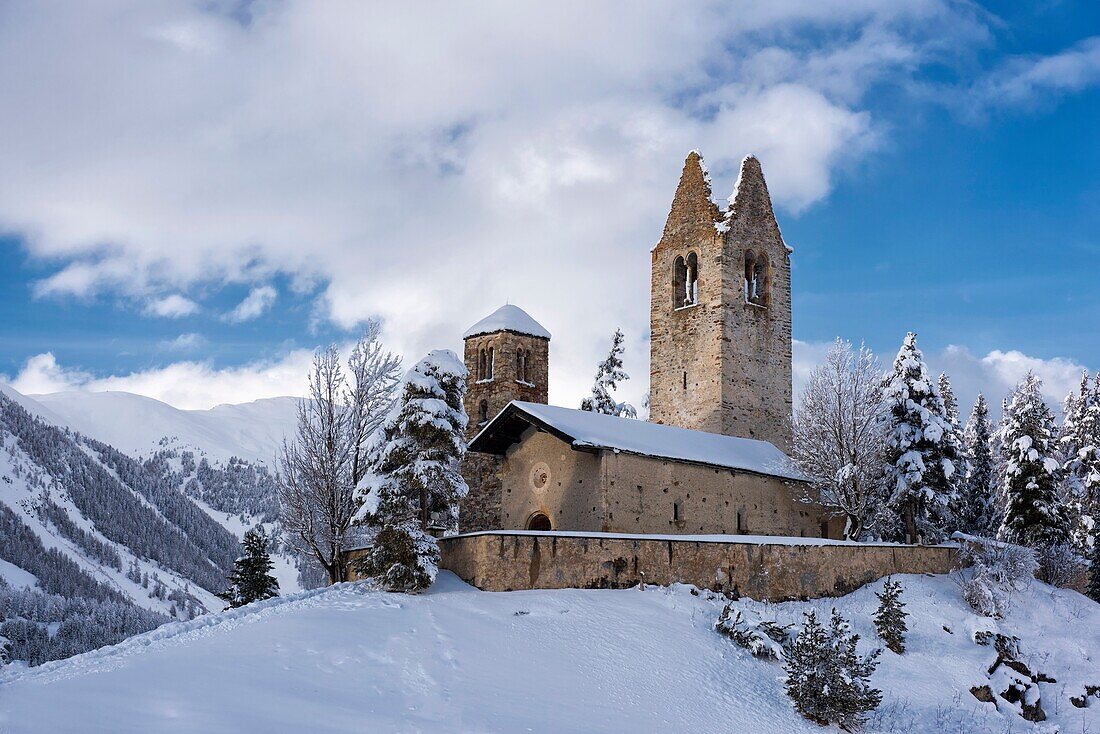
(760, 567)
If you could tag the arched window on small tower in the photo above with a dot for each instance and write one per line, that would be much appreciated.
(519, 365)
(492, 359)
(527, 366)
(679, 281)
(482, 363)
(483, 412)
(757, 278)
(691, 286)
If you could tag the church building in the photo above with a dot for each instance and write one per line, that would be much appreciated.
(711, 459)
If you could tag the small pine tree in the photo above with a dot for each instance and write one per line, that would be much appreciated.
(950, 404)
(826, 678)
(922, 450)
(1093, 590)
(976, 512)
(416, 483)
(251, 579)
(890, 617)
(608, 376)
(1033, 515)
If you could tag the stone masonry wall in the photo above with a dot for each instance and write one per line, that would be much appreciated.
(760, 570)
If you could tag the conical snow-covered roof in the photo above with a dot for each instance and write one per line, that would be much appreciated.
(508, 318)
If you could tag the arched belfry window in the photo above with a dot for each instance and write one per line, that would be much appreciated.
(482, 364)
(483, 412)
(492, 359)
(519, 365)
(685, 281)
(679, 282)
(527, 366)
(691, 287)
(757, 278)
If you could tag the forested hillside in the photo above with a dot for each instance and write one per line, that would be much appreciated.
(96, 545)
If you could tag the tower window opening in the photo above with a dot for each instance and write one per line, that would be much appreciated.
(741, 522)
(483, 412)
(527, 366)
(482, 362)
(691, 285)
(519, 364)
(678, 511)
(685, 380)
(489, 374)
(756, 279)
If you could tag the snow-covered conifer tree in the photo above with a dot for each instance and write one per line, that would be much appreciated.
(1079, 444)
(950, 404)
(839, 437)
(416, 484)
(826, 678)
(608, 376)
(251, 579)
(1033, 515)
(922, 452)
(890, 616)
(1093, 590)
(976, 509)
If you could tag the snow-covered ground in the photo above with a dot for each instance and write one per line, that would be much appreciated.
(456, 659)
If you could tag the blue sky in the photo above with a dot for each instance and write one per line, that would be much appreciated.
(933, 165)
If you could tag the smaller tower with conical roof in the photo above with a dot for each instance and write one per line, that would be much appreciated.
(508, 355)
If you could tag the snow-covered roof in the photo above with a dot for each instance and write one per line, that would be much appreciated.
(585, 430)
(508, 318)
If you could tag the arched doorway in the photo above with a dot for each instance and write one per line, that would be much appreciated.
(539, 521)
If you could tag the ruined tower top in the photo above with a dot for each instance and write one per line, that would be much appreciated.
(720, 311)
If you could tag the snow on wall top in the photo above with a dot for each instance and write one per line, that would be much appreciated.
(599, 431)
(508, 318)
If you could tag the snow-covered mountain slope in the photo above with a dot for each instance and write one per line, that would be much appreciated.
(138, 425)
(456, 659)
(90, 536)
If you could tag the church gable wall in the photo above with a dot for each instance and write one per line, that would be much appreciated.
(544, 474)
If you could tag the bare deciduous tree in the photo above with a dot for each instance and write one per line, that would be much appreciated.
(320, 467)
(840, 431)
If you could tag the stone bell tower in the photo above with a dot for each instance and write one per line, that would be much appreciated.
(720, 312)
(507, 354)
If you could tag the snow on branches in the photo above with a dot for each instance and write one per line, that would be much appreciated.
(608, 376)
(839, 437)
(1033, 515)
(923, 448)
(416, 483)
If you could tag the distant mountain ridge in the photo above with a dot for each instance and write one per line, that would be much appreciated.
(139, 425)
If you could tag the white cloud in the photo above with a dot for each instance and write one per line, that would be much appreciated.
(187, 385)
(1030, 80)
(173, 306)
(184, 343)
(257, 301)
(425, 161)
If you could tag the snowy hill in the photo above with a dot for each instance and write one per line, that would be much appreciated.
(138, 425)
(456, 659)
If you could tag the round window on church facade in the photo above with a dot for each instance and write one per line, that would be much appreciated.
(540, 475)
